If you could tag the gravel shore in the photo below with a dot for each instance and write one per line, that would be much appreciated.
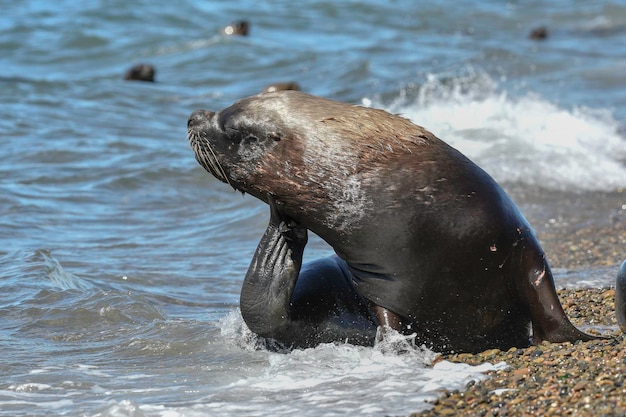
(579, 379)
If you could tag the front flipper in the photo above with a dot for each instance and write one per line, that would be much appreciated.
(272, 275)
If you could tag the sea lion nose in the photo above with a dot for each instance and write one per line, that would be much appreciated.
(198, 117)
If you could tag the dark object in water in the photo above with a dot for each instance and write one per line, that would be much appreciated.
(539, 34)
(240, 28)
(141, 72)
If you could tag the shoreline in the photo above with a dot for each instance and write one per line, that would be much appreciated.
(577, 230)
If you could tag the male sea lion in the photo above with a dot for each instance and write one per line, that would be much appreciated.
(426, 241)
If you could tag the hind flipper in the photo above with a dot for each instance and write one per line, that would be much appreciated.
(549, 321)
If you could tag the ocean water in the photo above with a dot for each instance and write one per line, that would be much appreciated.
(121, 259)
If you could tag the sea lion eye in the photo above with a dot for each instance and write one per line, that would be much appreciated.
(250, 139)
(274, 136)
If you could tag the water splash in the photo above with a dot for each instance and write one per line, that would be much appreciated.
(337, 379)
(58, 276)
(525, 140)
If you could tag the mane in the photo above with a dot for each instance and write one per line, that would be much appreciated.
(378, 132)
(374, 131)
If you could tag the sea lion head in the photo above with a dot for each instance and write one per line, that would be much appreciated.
(241, 146)
(323, 160)
(141, 72)
(240, 28)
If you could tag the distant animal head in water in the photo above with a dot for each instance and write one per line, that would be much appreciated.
(240, 28)
(141, 72)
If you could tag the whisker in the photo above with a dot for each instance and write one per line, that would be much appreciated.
(219, 166)
(206, 156)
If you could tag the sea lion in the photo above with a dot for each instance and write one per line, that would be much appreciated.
(290, 85)
(141, 72)
(539, 33)
(620, 297)
(426, 242)
(240, 28)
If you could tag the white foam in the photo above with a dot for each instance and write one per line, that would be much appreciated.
(29, 387)
(124, 408)
(333, 380)
(528, 139)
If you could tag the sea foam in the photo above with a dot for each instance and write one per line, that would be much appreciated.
(335, 379)
(527, 140)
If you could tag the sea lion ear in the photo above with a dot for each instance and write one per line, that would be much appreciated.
(275, 136)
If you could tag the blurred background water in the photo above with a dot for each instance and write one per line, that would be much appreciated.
(121, 260)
